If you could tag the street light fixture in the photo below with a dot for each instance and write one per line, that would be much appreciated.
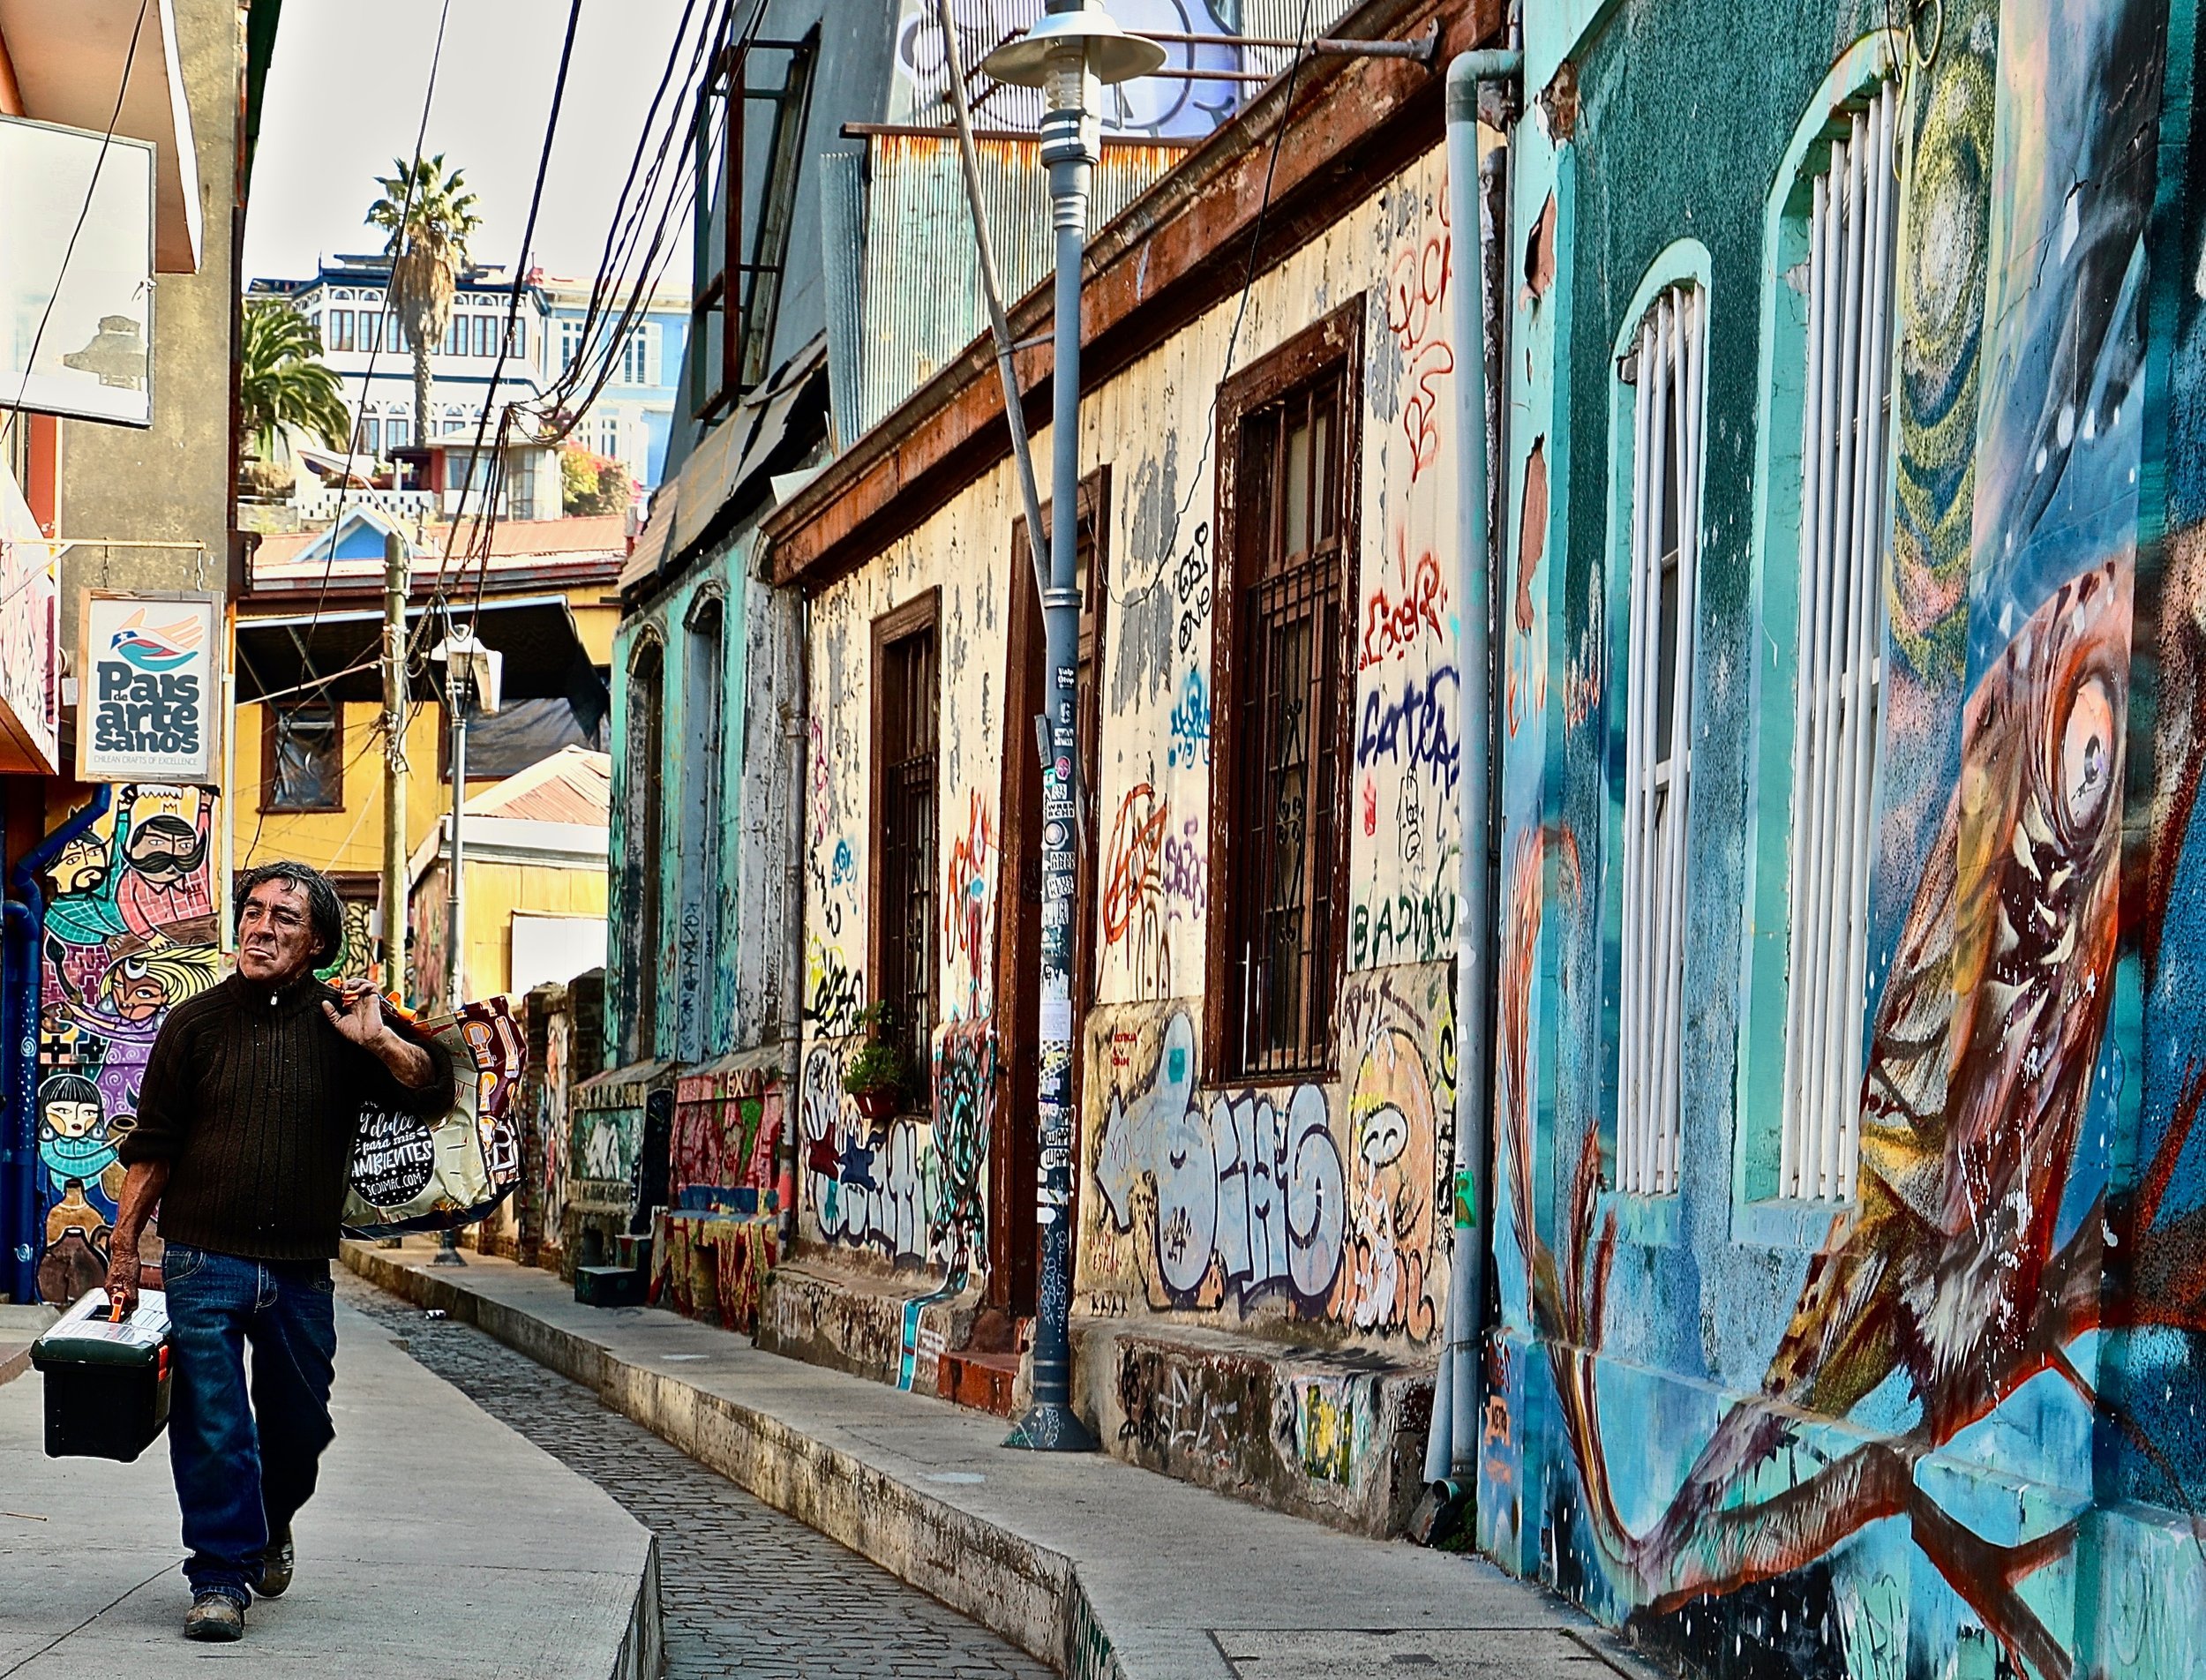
(1069, 54)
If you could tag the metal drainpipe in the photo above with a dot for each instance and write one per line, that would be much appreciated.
(1452, 1448)
(792, 988)
(26, 920)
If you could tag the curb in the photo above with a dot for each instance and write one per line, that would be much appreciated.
(1028, 1594)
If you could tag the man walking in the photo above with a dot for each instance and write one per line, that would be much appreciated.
(244, 1136)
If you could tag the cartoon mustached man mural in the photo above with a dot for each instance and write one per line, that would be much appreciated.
(129, 934)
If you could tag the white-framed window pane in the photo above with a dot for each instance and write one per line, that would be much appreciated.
(1845, 435)
(1669, 367)
(570, 343)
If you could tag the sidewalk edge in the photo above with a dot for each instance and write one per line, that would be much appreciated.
(1028, 1594)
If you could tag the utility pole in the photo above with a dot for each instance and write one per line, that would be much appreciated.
(1068, 54)
(395, 585)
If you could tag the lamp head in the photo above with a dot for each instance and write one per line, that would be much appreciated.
(1063, 51)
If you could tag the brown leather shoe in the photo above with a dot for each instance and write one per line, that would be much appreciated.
(214, 1616)
(276, 1565)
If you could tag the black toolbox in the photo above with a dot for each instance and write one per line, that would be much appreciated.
(107, 1384)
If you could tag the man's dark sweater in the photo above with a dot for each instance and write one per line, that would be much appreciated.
(253, 1098)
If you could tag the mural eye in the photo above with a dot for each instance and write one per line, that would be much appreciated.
(2087, 745)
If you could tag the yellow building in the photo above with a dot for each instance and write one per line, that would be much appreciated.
(533, 852)
(308, 740)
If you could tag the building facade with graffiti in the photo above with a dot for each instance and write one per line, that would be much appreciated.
(1846, 1190)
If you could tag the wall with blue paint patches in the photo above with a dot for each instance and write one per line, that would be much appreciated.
(1947, 1425)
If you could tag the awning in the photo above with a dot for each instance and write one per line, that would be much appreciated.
(69, 57)
(544, 655)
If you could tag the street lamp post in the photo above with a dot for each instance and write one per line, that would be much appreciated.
(471, 680)
(1068, 54)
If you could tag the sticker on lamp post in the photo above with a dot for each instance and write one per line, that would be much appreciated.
(149, 688)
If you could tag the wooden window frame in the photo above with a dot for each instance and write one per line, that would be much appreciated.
(1013, 1152)
(921, 613)
(270, 712)
(646, 836)
(1331, 347)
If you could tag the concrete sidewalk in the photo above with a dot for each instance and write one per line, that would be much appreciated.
(440, 1543)
(1104, 1570)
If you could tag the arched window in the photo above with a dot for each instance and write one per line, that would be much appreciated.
(646, 836)
(704, 684)
(1658, 464)
(1822, 565)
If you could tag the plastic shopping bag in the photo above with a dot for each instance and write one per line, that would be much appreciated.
(415, 1174)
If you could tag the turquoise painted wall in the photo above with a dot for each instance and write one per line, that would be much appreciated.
(1948, 1426)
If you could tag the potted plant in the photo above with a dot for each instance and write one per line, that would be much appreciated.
(877, 1074)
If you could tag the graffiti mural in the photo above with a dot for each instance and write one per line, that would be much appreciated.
(1948, 1426)
(1317, 1201)
(130, 931)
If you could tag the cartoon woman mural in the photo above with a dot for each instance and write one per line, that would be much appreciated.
(73, 1143)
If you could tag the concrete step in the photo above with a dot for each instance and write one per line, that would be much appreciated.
(1101, 1570)
(984, 1382)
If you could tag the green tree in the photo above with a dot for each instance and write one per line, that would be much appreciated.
(591, 484)
(282, 381)
(428, 216)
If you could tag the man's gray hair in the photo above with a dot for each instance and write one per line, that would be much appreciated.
(323, 909)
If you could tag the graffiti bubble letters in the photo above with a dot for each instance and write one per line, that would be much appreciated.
(1415, 727)
(1243, 1189)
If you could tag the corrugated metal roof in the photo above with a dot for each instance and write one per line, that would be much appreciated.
(921, 303)
(574, 785)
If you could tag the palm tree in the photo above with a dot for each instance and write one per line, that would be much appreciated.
(283, 382)
(429, 215)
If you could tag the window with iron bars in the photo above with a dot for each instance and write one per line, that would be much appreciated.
(1668, 367)
(1280, 846)
(1851, 223)
(906, 707)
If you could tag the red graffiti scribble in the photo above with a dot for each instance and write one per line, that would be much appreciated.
(1394, 622)
(1370, 806)
(1416, 315)
(1134, 914)
(965, 894)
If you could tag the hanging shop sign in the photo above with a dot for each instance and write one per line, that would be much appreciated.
(77, 273)
(149, 688)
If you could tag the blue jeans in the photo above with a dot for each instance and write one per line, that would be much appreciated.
(244, 1457)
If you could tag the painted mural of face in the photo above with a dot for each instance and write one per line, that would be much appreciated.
(165, 849)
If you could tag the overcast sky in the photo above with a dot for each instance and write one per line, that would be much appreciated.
(344, 98)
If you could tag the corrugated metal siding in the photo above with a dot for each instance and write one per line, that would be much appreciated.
(922, 301)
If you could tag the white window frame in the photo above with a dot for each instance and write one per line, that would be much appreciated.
(1845, 537)
(1668, 366)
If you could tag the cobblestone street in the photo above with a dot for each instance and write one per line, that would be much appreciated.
(749, 1593)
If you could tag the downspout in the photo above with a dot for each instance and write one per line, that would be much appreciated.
(800, 712)
(25, 936)
(1452, 1448)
